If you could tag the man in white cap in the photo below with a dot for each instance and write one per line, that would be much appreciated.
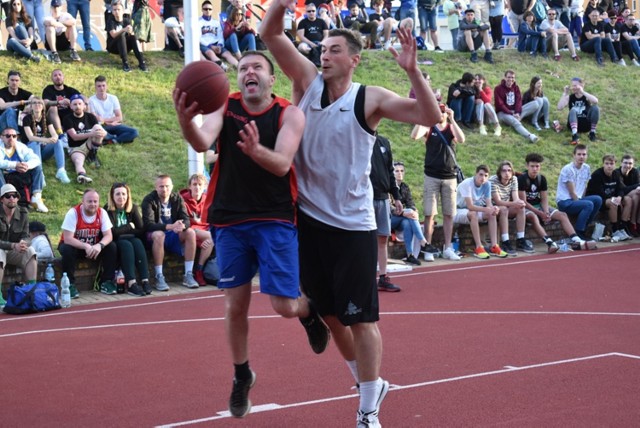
(14, 233)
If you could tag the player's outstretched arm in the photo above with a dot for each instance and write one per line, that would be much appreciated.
(296, 66)
(200, 138)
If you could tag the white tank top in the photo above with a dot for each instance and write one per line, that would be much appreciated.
(334, 161)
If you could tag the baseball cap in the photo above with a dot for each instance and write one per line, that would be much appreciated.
(7, 188)
(36, 226)
(56, 3)
(75, 97)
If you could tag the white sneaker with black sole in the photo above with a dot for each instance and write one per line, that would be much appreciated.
(370, 419)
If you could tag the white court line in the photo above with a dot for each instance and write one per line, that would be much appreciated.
(255, 317)
(273, 406)
(511, 263)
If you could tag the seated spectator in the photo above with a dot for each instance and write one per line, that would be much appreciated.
(611, 32)
(570, 194)
(174, 32)
(21, 167)
(530, 38)
(12, 100)
(358, 20)
(106, 108)
(631, 179)
(485, 113)
(535, 104)
(120, 38)
(557, 36)
(86, 232)
(211, 38)
(194, 203)
(593, 38)
(20, 28)
(472, 34)
(57, 97)
(440, 179)
(584, 112)
(60, 32)
(606, 182)
(238, 34)
(475, 207)
(85, 136)
(461, 99)
(311, 31)
(509, 105)
(504, 192)
(41, 137)
(39, 240)
(387, 24)
(14, 236)
(327, 12)
(167, 225)
(630, 34)
(532, 188)
(128, 233)
(407, 219)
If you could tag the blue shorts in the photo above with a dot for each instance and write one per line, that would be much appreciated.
(427, 19)
(205, 48)
(171, 242)
(268, 246)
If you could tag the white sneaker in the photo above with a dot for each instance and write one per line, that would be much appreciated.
(498, 131)
(620, 235)
(622, 63)
(482, 130)
(189, 281)
(370, 419)
(428, 257)
(63, 177)
(36, 202)
(635, 62)
(449, 253)
(533, 138)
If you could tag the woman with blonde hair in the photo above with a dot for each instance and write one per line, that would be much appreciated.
(127, 231)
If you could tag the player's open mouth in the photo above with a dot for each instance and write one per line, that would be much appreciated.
(251, 83)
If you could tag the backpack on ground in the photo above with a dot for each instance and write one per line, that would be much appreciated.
(210, 271)
(31, 298)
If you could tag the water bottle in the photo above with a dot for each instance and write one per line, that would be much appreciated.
(65, 298)
(49, 274)
(456, 242)
(120, 282)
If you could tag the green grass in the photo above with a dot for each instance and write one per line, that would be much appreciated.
(146, 104)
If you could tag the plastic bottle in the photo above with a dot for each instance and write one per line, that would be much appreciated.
(120, 282)
(456, 242)
(65, 295)
(49, 274)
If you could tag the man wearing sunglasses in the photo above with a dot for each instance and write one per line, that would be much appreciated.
(19, 164)
(14, 233)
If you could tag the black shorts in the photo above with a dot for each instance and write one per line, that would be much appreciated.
(338, 270)
(62, 43)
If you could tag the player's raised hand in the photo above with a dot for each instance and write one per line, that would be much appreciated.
(407, 57)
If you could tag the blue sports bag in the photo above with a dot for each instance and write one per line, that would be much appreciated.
(31, 298)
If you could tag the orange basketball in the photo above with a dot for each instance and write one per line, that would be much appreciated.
(205, 83)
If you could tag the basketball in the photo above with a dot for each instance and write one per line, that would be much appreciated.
(205, 83)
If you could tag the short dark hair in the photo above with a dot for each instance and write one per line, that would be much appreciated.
(482, 168)
(534, 157)
(100, 78)
(467, 78)
(354, 41)
(627, 156)
(579, 147)
(608, 157)
(13, 73)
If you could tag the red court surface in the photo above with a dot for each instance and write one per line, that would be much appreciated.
(543, 341)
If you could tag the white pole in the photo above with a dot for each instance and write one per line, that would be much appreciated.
(192, 53)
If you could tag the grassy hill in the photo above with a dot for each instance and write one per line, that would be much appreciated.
(147, 105)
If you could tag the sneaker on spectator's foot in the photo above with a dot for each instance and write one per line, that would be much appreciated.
(55, 58)
(411, 260)
(384, 284)
(482, 130)
(635, 62)
(575, 139)
(38, 204)
(592, 136)
(427, 252)
(74, 55)
(428, 257)
(199, 277)
(450, 253)
(189, 281)
(622, 62)
(620, 235)
(496, 251)
(481, 253)
(370, 419)
(126, 67)
(318, 333)
(438, 49)
(524, 245)
(143, 67)
(599, 61)
(239, 403)
(552, 247)
(34, 58)
(488, 57)
(556, 57)
(136, 290)
(576, 58)
(63, 177)
(582, 244)
(161, 284)
(108, 287)
(146, 286)
(474, 56)
(497, 131)
(83, 178)
(506, 246)
(73, 292)
(92, 157)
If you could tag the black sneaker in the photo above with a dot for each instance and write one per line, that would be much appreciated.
(428, 248)
(143, 67)
(385, 285)
(474, 56)
(524, 245)
(136, 290)
(592, 136)
(488, 57)
(146, 286)
(317, 331)
(239, 403)
(507, 248)
(126, 67)
(411, 260)
(92, 157)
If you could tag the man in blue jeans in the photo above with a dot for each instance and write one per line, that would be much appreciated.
(84, 7)
(572, 185)
(461, 99)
